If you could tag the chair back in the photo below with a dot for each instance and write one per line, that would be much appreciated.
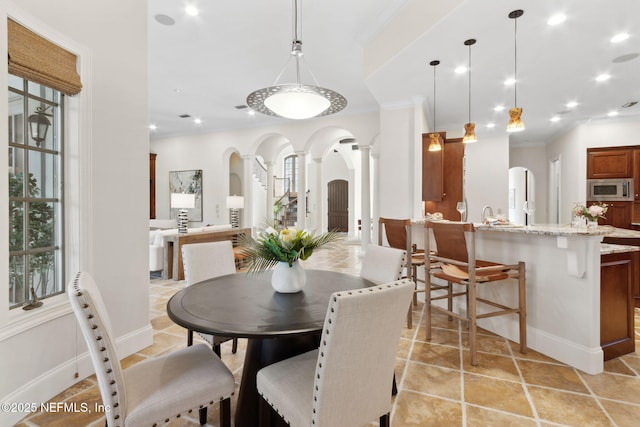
(454, 240)
(87, 304)
(382, 264)
(204, 261)
(396, 232)
(356, 358)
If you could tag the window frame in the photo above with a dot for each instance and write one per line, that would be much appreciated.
(57, 199)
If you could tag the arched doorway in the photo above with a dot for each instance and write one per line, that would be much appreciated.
(338, 205)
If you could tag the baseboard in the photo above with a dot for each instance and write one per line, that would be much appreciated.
(44, 387)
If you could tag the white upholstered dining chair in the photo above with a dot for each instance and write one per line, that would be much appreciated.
(158, 389)
(204, 261)
(382, 264)
(346, 381)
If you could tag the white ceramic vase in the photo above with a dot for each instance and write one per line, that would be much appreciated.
(287, 279)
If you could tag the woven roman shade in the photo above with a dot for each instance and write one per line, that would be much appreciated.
(37, 59)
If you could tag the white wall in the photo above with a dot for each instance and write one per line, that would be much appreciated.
(210, 152)
(109, 181)
(487, 176)
(572, 149)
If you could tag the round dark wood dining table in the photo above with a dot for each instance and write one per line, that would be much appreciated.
(278, 326)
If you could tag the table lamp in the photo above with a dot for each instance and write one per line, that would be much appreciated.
(182, 202)
(234, 203)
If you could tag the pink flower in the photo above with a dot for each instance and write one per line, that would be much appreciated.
(595, 210)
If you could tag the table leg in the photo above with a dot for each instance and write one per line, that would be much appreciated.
(260, 353)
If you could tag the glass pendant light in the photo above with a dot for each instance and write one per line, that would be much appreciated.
(434, 144)
(469, 127)
(515, 121)
(296, 100)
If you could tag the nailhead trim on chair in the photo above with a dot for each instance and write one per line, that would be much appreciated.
(94, 327)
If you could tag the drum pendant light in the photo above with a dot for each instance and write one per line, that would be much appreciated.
(434, 145)
(469, 127)
(515, 121)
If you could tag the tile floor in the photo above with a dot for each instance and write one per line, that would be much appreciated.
(437, 386)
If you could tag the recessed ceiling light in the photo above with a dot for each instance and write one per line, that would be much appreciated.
(557, 19)
(251, 112)
(624, 58)
(603, 77)
(619, 38)
(612, 113)
(461, 69)
(177, 90)
(491, 125)
(498, 108)
(555, 119)
(197, 121)
(164, 19)
(191, 10)
(572, 104)
(153, 127)
(510, 81)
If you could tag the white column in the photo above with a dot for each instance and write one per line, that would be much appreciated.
(302, 189)
(269, 192)
(376, 192)
(365, 195)
(247, 191)
(318, 196)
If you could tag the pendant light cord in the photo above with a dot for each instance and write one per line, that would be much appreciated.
(515, 62)
(469, 71)
(434, 98)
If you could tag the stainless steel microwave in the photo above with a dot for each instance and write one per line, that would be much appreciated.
(612, 190)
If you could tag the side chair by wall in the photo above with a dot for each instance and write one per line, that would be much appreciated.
(156, 390)
(346, 381)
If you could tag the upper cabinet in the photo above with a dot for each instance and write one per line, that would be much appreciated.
(605, 163)
(442, 177)
(432, 170)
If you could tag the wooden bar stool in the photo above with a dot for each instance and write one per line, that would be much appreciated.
(398, 234)
(454, 261)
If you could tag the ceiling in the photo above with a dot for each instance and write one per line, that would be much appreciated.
(206, 65)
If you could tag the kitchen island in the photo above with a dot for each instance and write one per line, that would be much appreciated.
(563, 288)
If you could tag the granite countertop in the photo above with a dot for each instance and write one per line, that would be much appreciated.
(624, 233)
(608, 248)
(548, 229)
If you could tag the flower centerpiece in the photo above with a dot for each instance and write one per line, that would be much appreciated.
(592, 213)
(283, 249)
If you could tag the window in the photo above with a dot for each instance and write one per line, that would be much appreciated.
(290, 173)
(35, 143)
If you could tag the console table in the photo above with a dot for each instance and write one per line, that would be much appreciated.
(173, 267)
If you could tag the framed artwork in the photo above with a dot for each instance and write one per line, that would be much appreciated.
(188, 182)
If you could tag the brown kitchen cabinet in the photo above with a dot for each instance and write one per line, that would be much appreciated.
(442, 188)
(630, 241)
(619, 214)
(605, 163)
(616, 303)
(636, 176)
(432, 169)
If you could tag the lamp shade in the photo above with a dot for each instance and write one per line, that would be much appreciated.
(183, 201)
(235, 202)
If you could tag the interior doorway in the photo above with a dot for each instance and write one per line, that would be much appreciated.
(338, 205)
(521, 189)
